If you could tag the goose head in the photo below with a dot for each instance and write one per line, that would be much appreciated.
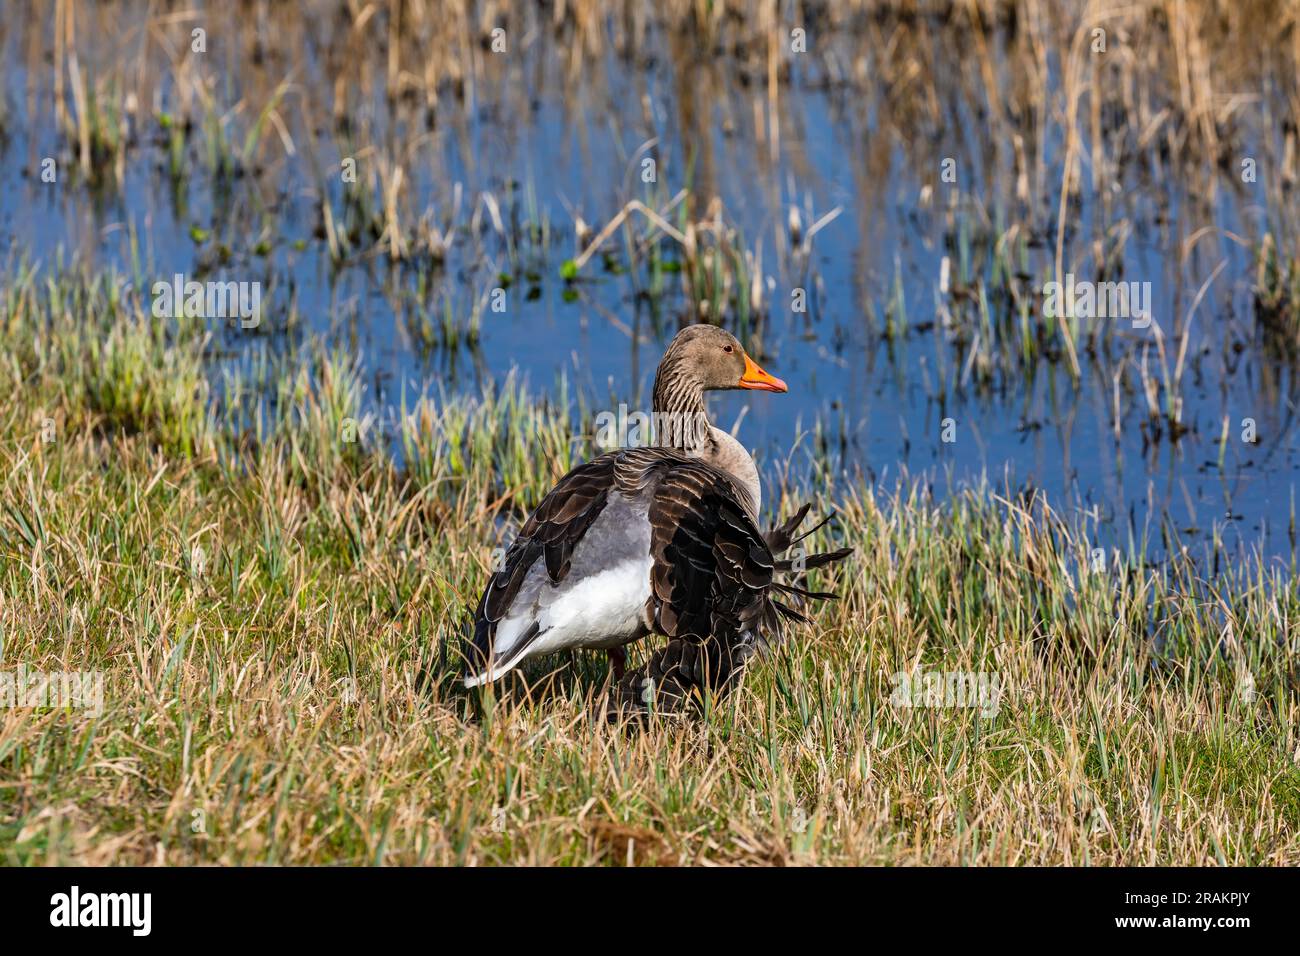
(701, 358)
(704, 358)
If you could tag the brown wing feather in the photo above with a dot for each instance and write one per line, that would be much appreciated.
(711, 565)
(713, 588)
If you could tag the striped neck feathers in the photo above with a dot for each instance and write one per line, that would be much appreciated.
(680, 419)
(681, 422)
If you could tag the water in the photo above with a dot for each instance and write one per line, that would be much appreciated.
(893, 353)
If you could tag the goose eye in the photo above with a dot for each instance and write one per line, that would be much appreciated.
(727, 348)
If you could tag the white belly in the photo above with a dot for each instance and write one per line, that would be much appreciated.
(600, 612)
(599, 604)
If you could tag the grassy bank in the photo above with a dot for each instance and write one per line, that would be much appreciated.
(265, 599)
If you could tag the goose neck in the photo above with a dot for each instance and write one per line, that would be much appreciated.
(680, 418)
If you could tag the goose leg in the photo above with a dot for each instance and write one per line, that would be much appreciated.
(617, 661)
(680, 673)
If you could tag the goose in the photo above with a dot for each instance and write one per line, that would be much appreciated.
(661, 539)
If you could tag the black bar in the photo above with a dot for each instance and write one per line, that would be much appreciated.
(338, 905)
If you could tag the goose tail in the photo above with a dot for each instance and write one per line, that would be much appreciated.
(780, 539)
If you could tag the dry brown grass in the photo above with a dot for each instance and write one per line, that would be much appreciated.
(286, 698)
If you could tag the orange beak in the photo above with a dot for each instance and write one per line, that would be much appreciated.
(756, 378)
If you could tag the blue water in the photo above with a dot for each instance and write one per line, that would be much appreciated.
(881, 401)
